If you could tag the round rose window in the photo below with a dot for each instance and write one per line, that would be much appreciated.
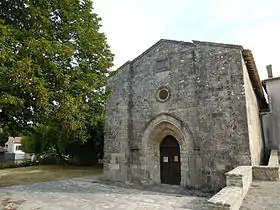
(163, 94)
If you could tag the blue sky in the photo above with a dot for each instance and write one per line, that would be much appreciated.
(132, 26)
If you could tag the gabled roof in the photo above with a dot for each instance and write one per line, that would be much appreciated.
(247, 56)
(154, 46)
(14, 139)
(193, 43)
(269, 80)
(160, 42)
(214, 44)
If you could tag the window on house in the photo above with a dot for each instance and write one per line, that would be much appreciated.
(18, 148)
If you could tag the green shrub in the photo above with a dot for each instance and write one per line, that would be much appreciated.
(24, 164)
(15, 165)
(9, 165)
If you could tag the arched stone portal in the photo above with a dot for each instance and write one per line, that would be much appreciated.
(159, 128)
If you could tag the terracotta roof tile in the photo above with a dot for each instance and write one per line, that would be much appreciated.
(14, 139)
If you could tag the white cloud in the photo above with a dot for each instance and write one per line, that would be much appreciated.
(134, 25)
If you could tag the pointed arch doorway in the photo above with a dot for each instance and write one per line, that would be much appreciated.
(170, 166)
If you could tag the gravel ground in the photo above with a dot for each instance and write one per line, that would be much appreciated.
(262, 195)
(85, 194)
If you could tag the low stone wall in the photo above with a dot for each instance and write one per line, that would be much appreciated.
(270, 172)
(266, 173)
(273, 159)
(238, 182)
(240, 177)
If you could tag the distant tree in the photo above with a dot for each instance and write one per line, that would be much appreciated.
(54, 65)
(89, 152)
(3, 138)
(46, 139)
(42, 138)
(30, 144)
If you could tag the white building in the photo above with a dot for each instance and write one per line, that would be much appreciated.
(13, 145)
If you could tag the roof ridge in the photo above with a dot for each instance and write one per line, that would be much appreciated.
(218, 44)
(192, 43)
(157, 43)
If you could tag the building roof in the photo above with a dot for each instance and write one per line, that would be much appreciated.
(14, 139)
(255, 79)
(247, 56)
(269, 80)
(192, 43)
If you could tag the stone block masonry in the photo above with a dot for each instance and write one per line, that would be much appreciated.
(210, 108)
(266, 173)
(238, 183)
(270, 172)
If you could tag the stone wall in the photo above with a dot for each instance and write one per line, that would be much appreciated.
(253, 120)
(267, 132)
(206, 113)
(269, 172)
(266, 173)
(272, 120)
(239, 181)
(179, 78)
(273, 159)
(116, 140)
(220, 130)
(231, 197)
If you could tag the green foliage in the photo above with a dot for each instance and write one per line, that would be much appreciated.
(8, 165)
(3, 138)
(15, 165)
(54, 65)
(49, 140)
(89, 152)
(30, 144)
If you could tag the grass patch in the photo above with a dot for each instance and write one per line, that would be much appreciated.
(7, 164)
(44, 173)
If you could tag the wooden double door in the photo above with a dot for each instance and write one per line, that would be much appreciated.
(170, 167)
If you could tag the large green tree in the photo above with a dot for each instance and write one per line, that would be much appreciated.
(54, 65)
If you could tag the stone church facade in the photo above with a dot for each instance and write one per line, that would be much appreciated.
(184, 113)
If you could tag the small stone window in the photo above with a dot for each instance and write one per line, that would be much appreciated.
(163, 94)
(162, 64)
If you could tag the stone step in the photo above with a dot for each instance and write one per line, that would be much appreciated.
(229, 198)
